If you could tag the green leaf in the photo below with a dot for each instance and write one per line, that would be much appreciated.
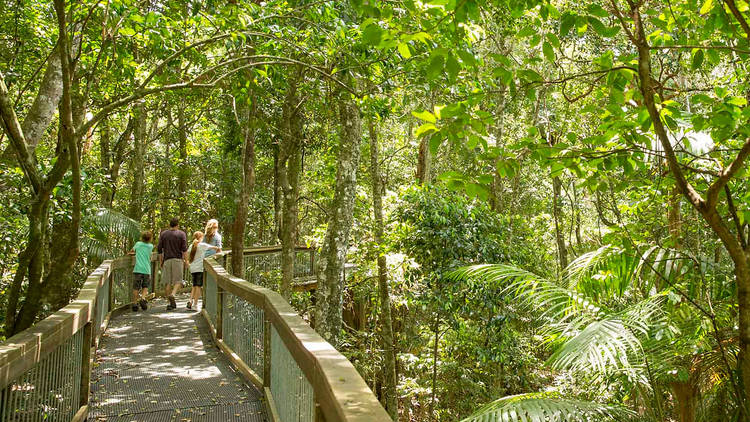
(567, 22)
(530, 75)
(598, 26)
(707, 6)
(552, 38)
(372, 34)
(697, 58)
(425, 129)
(435, 67)
(597, 10)
(526, 32)
(424, 115)
(452, 67)
(549, 53)
(435, 142)
(403, 49)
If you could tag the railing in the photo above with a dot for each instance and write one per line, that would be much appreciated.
(45, 369)
(304, 378)
(261, 265)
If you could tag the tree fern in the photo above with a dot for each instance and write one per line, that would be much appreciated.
(543, 407)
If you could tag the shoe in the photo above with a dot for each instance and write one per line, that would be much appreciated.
(134, 308)
(144, 304)
(190, 305)
(172, 303)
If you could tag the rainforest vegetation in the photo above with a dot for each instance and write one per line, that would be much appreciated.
(541, 206)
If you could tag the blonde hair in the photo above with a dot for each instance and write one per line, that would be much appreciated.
(197, 237)
(212, 226)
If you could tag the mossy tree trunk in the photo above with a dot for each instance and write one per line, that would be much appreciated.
(329, 273)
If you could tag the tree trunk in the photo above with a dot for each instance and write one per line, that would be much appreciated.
(424, 162)
(58, 283)
(435, 349)
(674, 220)
(329, 298)
(290, 163)
(277, 195)
(117, 160)
(183, 173)
(135, 206)
(706, 207)
(248, 185)
(105, 158)
(562, 250)
(389, 360)
(686, 398)
(497, 179)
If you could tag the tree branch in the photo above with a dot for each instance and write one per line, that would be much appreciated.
(12, 127)
(712, 195)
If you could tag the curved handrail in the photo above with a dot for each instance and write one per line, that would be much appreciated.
(340, 393)
(67, 334)
(47, 366)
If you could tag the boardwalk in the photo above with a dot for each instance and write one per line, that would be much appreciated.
(162, 366)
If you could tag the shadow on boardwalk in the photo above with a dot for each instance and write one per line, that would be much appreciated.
(156, 365)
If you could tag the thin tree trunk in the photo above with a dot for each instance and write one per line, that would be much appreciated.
(433, 393)
(290, 163)
(562, 250)
(674, 220)
(135, 205)
(183, 172)
(329, 295)
(389, 360)
(277, 195)
(248, 185)
(424, 162)
(706, 207)
(105, 158)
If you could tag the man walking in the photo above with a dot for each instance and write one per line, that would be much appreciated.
(172, 256)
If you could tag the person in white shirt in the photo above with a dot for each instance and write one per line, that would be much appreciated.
(196, 254)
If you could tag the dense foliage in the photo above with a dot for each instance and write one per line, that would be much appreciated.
(543, 204)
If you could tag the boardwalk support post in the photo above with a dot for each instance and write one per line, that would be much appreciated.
(88, 341)
(266, 352)
(219, 312)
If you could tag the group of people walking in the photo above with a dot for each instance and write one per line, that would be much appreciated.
(174, 257)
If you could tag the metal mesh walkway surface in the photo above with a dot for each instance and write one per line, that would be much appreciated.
(156, 365)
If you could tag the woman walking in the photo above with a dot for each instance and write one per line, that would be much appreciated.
(212, 237)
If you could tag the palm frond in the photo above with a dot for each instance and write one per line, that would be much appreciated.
(610, 344)
(587, 264)
(543, 407)
(113, 222)
(95, 248)
(556, 302)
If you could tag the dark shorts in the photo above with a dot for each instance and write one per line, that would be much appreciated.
(141, 281)
(197, 279)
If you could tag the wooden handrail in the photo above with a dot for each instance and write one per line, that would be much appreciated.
(22, 351)
(340, 391)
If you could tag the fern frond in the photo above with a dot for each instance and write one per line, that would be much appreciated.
(543, 407)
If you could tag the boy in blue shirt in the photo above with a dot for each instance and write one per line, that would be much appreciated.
(142, 270)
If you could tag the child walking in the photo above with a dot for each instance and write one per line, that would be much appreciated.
(142, 270)
(196, 253)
